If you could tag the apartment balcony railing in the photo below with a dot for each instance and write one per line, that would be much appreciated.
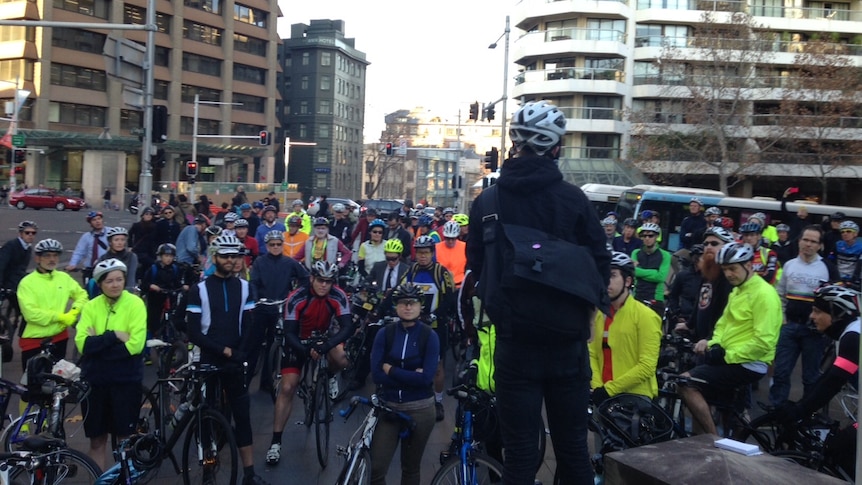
(592, 153)
(768, 157)
(707, 5)
(588, 113)
(764, 45)
(732, 82)
(593, 73)
(554, 35)
(810, 121)
(806, 13)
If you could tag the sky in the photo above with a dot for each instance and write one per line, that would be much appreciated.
(434, 55)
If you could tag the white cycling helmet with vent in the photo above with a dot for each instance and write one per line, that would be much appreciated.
(538, 125)
(228, 245)
(106, 266)
(48, 246)
(719, 232)
(650, 227)
(451, 229)
(735, 253)
(849, 225)
(116, 231)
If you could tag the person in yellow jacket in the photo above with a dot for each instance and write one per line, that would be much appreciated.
(111, 337)
(625, 345)
(299, 211)
(44, 297)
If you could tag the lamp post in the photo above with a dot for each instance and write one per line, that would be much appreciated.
(505, 114)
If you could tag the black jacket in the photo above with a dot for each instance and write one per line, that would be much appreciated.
(684, 292)
(13, 263)
(272, 277)
(532, 193)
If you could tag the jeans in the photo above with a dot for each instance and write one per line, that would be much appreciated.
(526, 376)
(796, 338)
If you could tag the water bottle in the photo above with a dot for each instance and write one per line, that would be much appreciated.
(181, 411)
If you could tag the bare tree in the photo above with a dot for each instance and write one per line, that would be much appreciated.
(710, 83)
(379, 167)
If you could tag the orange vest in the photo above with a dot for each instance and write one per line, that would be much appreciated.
(292, 244)
(454, 259)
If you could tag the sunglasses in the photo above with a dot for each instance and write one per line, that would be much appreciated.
(376, 232)
(712, 243)
(648, 235)
(392, 258)
(324, 281)
(845, 231)
(274, 245)
(230, 256)
(29, 233)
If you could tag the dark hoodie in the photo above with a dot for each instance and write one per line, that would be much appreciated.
(533, 194)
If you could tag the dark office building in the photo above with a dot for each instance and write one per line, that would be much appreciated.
(323, 92)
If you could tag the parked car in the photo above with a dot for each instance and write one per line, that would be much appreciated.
(39, 198)
(384, 206)
(314, 205)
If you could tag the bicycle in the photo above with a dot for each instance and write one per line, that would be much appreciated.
(209, 449)
(469, 465)
(177, 353)
(357, 453)
(47, 461)
(9, 322)
(276, 349)
(136, 458)
(314, 391)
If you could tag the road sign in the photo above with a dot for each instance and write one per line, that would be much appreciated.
(402, 148)
(18, 140)
(283, 186)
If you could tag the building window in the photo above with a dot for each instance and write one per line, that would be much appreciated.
(323, 156)
(303, 83)
(76, 114)
(77, 39)
(325, 107)
(160, 89)
(205, 94)
(320, 180)
(306, 58)
(205, 127)
(326, 58)
(201, 64)
(323, 131)
(255, 75)
(250, 45)
(78, 77)
(245, 129)
(130, 119)
(201, 33)
(303, 131)
(17, 69)
(303, 107)
(212, 6)
(325, 83)
(138, 16)
(250, 15)
(9, 33)
(93, 8)
(163, 56)
(255, 104)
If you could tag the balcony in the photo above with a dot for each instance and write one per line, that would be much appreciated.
(570, 80)
(555, 42)
(527, 12)
(700, 5)
(820, 13)
(763, 45)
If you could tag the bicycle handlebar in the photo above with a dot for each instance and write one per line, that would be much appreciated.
(379, 405)
(680, 379)
(267, 302)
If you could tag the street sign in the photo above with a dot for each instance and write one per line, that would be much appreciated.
(124, 60)
(322, 170)
(402, 148)
(18, 140)
(283, 186)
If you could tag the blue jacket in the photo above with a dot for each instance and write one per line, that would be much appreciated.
(262, 229)
(403, 383)
(189, 245)
(272, 278)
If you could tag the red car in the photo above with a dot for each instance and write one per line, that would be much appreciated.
(48, 198)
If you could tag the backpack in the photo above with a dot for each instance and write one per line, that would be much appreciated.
(424, 332)
(155, 268)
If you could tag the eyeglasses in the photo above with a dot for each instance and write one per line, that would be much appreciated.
(712, 243)
(392, 258)
(845, 231)
(29, 233)
(376, 232)
(323, 281)
(230, 256)
(648, 235)
(274, 245)
(408, 302)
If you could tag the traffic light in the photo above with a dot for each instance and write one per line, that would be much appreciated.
(474, 111)
(492, 158)
(191, 168)
(159, 133)
(265, 138)
(20, 156)
(159, 159)
(389, 148)
(489, 112)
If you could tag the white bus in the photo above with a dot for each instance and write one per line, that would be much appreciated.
(604, 197)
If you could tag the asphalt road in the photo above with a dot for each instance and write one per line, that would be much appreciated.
(299, 460)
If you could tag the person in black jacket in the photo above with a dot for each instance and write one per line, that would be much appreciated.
(714, 289)
(142, 241)
(682, 300)
(395, 231)
(15, 256)
(693, 225)
(534, 362)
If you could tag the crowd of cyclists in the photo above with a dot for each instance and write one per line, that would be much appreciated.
(215, 273)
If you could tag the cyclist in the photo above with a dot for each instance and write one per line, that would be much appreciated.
(463, 220)
(208, 267)
(340, 225)
(299, 211)
(684, 291)
(44, 297)
(627, 242)
(652, 265)
(395, 231)
(15, 256)
(251, 248)
(802, 276)
(848, 250)
(770, 234)
(118, 249)
(110, 337)
(273, 278)
(835, 312)
(744, 339)
(765, 260)
(251, 217)
(308, 311)
(403, 358)
(624, 351)
(714, 290)
(371, 251)
(785, 248)
(142, 240)
(452, 252)
(168, 228)
(322, 246)
(268, 224)
(425, 229)
(229, 224)
(163, 276)
(220, 322)
(191, 243)
(692, 225)
(91, 245)
(438, 288)
(294, 239)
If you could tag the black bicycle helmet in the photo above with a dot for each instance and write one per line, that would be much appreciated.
(750, 227)
(838, 301)
(407, 291)
(166, 248)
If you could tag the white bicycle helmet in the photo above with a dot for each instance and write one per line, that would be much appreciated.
(338, 207)
(106, 266)
(322, 269)
(838, 300)
(48, 246)
(241, 223)
(848, 225)
(720, 233)
(609, 221)
(623, 262)
(273, 235)
(451, 229)
(228, 245)
(650, 227)
(735, 253)
(116, 231)
(539, 125)
(424, 242)
(213, 230)
(230, 217)
(713, 211)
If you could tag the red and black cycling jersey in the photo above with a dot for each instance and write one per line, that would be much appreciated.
(306, 312)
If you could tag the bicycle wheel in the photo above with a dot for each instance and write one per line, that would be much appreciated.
(274, 359)
(149, 417)
(357, 470)
(7, 335)
(71, 467)
(810, 460)
(322, 418)
(766, 432)
(209, 450)
(20, 428)
(480, 469)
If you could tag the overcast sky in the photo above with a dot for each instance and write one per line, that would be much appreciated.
(433, 54)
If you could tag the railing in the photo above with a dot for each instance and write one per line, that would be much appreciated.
(807, 121)
(763, 45)
(707, 5)
(592, 73)
(554, 35)
(805, 13)
(591, 113)
(767, 157)
(597, 153)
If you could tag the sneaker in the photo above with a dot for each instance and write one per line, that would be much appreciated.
(254, 480)
(333, 388)
(438, 406)
(273, 454)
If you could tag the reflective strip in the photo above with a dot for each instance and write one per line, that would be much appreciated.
(846, 365)
(193, 309)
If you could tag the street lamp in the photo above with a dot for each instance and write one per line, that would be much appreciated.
(505, 98)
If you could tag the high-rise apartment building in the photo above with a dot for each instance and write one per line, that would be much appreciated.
(323, 89)
(80, 132)
(600, 61)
